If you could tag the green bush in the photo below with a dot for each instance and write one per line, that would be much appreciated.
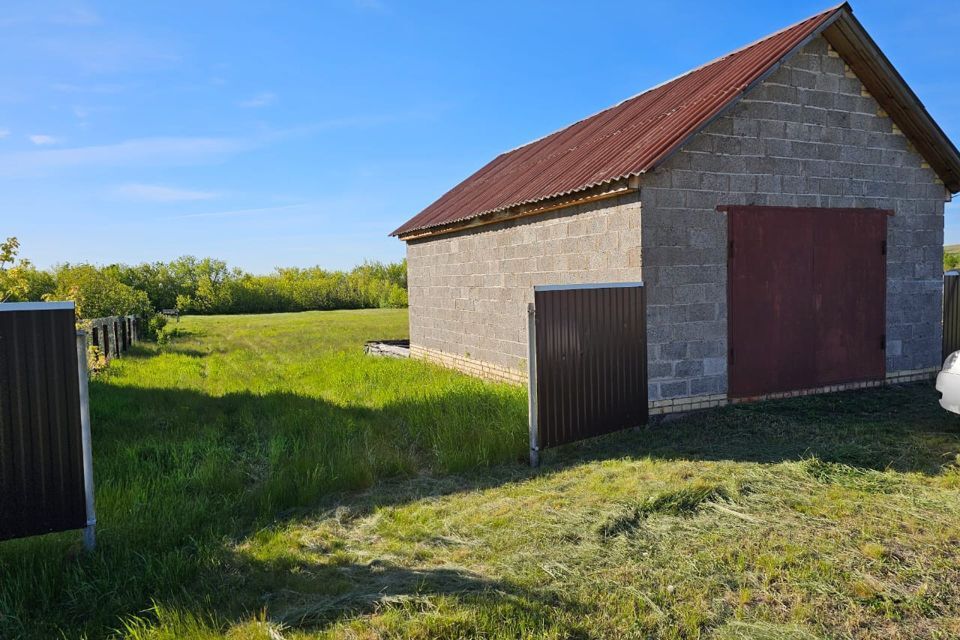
(201, 286)
(97, 292)
(951, 261)
(218, 290)
(152, 326)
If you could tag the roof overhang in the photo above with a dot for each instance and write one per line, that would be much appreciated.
(604, 192)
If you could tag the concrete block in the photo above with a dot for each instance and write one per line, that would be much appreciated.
(673, 351)
(714, 366)
(705, 386)
(689, 368)
(660, 369)
(676, 389)
(706, 350)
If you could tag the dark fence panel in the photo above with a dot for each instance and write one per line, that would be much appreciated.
(590, 361)
(41, 455)
(951, 313)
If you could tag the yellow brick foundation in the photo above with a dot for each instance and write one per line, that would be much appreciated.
(488, 371)
(469, 366)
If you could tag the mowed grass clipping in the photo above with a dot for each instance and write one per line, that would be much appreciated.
(259, 478)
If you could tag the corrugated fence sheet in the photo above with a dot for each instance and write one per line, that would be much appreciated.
(591, 361)
(951, 313)
(41, 458)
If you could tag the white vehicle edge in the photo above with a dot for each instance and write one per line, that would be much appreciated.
(948, 383)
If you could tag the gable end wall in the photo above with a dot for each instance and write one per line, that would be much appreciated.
(808, 136)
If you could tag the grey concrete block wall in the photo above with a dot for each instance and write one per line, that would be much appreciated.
(469, 290)
(808, 136)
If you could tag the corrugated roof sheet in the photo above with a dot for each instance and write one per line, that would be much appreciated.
(624, 140)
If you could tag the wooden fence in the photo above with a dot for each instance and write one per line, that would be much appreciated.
(113, 335)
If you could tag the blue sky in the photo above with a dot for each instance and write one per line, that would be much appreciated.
(302, 133)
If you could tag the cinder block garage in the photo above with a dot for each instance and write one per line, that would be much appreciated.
(783, 206)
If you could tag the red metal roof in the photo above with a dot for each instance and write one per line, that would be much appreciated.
(624, 140)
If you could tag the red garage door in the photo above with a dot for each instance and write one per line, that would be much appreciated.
(806, 298)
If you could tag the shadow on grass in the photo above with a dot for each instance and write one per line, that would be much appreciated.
(182, 477)
(312, 596)
(901, 428)
(145, 350)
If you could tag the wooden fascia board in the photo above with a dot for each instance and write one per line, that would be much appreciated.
(624, 187)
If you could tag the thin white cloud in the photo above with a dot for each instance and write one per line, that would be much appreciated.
(160, 193)
(337, 207)
(136, 152)
(96, 88)
(243, 212)
(42, 140)
(63, 15)
(370, 5)
(172, 152)
(264, 99)
(338, 124)
(76, 17)
(97, 53)
(4, 133)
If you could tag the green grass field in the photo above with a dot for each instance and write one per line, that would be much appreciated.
(259, 477)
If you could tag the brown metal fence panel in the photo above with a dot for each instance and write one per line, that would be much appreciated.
(591, 361)
(951, 313)
(41, 457)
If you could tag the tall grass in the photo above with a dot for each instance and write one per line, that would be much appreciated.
(226, 427)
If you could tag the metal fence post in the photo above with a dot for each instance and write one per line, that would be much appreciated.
(532, 383)
(89, 532)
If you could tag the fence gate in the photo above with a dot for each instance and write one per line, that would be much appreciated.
(588, 362)
(46, 479)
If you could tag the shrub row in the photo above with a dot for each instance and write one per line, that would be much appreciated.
(209, 286)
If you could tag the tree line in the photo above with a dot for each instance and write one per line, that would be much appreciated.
(198, 286)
